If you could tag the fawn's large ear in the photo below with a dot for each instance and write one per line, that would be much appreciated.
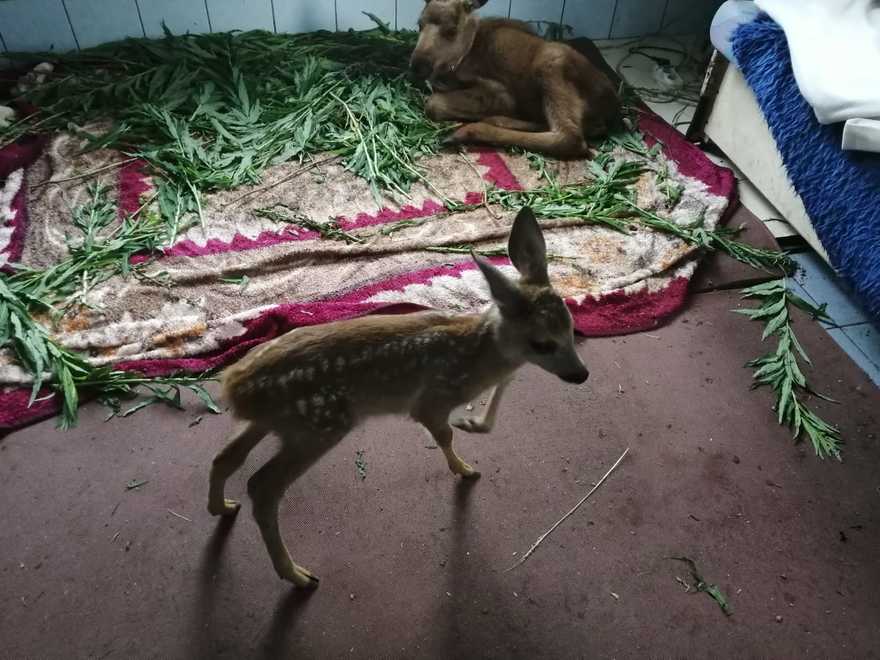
(474, 4)
(527, 248)
(504, 292)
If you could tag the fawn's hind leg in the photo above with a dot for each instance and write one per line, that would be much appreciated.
(228, 461)
(266, 488)
(439, 428)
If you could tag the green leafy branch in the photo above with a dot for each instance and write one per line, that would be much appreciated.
(780, 369)
(699, 585)
(329, 230)
(212, 112)
(103, 251)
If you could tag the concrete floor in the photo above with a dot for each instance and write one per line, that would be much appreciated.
(412, 560)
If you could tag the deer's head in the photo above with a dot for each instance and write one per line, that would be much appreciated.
(535, 325)
(447, 29)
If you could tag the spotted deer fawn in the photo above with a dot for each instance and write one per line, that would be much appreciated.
(312, 385)
(513, 87)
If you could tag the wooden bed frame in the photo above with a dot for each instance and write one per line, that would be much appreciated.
(728, 116)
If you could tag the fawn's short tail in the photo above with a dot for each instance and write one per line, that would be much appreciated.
(243, 390)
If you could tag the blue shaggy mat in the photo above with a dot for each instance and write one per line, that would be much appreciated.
(840, 189)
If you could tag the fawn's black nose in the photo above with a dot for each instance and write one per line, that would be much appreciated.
(577, 377)
(420, 68)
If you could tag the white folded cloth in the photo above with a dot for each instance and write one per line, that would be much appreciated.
(861, 135)
(835, 55)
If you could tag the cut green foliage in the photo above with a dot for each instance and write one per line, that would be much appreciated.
(699, 585)
(329, 229)
(609, 200)
(103, 250)
(780, 369)
(360, 464)
(720, 240)
(213, 111)
(242, 282)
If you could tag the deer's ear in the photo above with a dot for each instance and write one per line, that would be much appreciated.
(471, 5)
(504, 292)
(527, 249)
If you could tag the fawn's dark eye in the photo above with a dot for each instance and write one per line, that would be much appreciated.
(543, 347)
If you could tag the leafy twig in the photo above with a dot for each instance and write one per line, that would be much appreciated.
(780, 369)
(329, 230)
(700, 586)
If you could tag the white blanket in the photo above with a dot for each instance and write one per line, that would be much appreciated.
(835, 55)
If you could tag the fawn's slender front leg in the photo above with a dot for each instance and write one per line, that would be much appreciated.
(487, 422)
(228, 461)
(438, 426)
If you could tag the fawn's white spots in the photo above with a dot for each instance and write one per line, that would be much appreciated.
(310, 373)
(340, 363)
(302, 406)
(325, 365)
(317, 401)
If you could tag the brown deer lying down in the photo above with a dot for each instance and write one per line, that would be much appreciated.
(518, 89)
(313, 385)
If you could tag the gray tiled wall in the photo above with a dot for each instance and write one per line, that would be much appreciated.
(66, 24)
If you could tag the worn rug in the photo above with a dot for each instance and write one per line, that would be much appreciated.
(239, 277)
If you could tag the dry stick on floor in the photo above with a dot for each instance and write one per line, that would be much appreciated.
(98, 170)
(463, 154)
(573, 509)
(292, 175)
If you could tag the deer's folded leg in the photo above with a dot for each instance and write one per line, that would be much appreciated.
(515, 124)
(486, 423)
(553, 143)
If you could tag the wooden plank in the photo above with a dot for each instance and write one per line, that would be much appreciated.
(711, 82)
(589, 19)
(737, 126)
(31, 25)
(304, 15)
(180, 17)
(100, 21)
(226, 15)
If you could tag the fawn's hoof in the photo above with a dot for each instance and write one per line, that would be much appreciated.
(459, 136)
(302, 579)
(229, 508)
(470, 425)
(466, 471)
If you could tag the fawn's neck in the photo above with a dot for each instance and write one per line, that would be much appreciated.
(492, 354)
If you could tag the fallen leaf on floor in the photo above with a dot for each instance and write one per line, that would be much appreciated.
(360, 464)
(136, 483)
(700, 585)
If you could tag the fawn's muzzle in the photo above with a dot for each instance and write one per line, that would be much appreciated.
(420, 68)
(576, 377)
